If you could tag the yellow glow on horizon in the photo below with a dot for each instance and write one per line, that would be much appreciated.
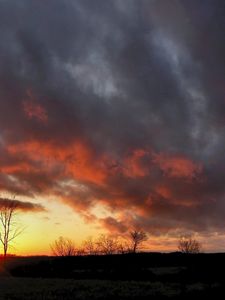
(42, 228)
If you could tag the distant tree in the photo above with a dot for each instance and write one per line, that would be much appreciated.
(80, 251)
(9, 228)
(107, 245)
(189, 245)
(137, 237)
(123, 247)
(90, 246)
(63, 247)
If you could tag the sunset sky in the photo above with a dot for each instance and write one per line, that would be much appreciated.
(112, 117)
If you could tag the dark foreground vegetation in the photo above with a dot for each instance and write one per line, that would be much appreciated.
(128, 276)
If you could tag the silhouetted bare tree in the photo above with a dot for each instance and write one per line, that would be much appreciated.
(123, 247)
(107, 245)
(9, 229)
(90, 246)
(80, 251)
(63, 247)
(137, 237)
(189, 245)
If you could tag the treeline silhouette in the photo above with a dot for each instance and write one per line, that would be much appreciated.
(108, 245)
(104, 244)
(63, 246)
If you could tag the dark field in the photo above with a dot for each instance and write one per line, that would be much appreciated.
(140, 276)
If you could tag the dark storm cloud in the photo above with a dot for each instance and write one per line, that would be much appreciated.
(118, 103)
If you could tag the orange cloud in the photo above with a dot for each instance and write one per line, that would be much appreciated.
(163, 191)
(16, 167)
(21, 205)
(78, 159)
(134, 165)
(113, 225)
(153, 191)
(178, 166)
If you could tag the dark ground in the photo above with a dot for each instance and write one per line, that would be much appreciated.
(128, 276)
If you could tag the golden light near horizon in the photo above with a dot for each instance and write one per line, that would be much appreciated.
(41, 229)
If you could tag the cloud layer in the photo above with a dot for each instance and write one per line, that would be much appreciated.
(20, 205)
(119, 104)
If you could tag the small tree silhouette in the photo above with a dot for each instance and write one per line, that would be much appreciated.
(90, 247)
(123, 247)
(189, 245)
(107, 245)
(63, 247)
(9, 229)
(137, 237)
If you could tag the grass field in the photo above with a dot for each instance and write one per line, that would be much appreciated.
(143, 276)
(28, 288)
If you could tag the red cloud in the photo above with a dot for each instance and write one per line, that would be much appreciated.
(113, 225)
(78, 159)
(134, 164)
(21, 205)
(134, 186)
(34, 110)
(178, 166)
